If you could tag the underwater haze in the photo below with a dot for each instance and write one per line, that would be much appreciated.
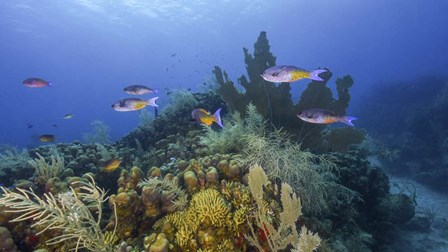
(90, 50)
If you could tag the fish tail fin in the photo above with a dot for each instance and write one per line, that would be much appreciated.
(156, 91)
(314, 75)
(50, 84)
(152, 102)
(217, 115)
(348, 120)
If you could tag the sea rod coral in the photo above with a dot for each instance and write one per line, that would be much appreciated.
(67, 217)
(279, 235)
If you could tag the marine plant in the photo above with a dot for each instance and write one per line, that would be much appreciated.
(233, 137)
(99, 133)
(67, 217)
(14, 161)
(46, 170)
(275, 102)
(279, 233)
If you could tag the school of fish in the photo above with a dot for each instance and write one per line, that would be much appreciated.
(275, 74)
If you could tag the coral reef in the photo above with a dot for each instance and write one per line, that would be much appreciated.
(185, 187)
(171, 135)
(371, 228)
(128, 207)
(282, 158)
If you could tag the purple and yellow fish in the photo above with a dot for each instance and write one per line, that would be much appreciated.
(139, 90)
(47, 138)
(131, 104)
(36, 83)
(290, 74)
(322, 116)
(204, 117)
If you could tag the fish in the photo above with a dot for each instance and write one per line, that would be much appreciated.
(132, 104)
(36, 83)
(290, 74)
(322, 116)
(204, 117)
(68, 116)
(110, 165)
(47, 138)
(29, 125)
(139, 90)
(54, 125)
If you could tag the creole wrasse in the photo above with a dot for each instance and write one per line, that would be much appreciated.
(36, 83)
(322, 116)
(131, 104)
(204, 117)
(139, 90)
(290, 74)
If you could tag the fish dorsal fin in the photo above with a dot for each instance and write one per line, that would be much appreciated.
(204, 111)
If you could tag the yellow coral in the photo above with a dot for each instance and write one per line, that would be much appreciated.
(239, 217)
(210, 208)
(183, 236)
(207, 223)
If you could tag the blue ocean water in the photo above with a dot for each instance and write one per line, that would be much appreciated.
(91, 49)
